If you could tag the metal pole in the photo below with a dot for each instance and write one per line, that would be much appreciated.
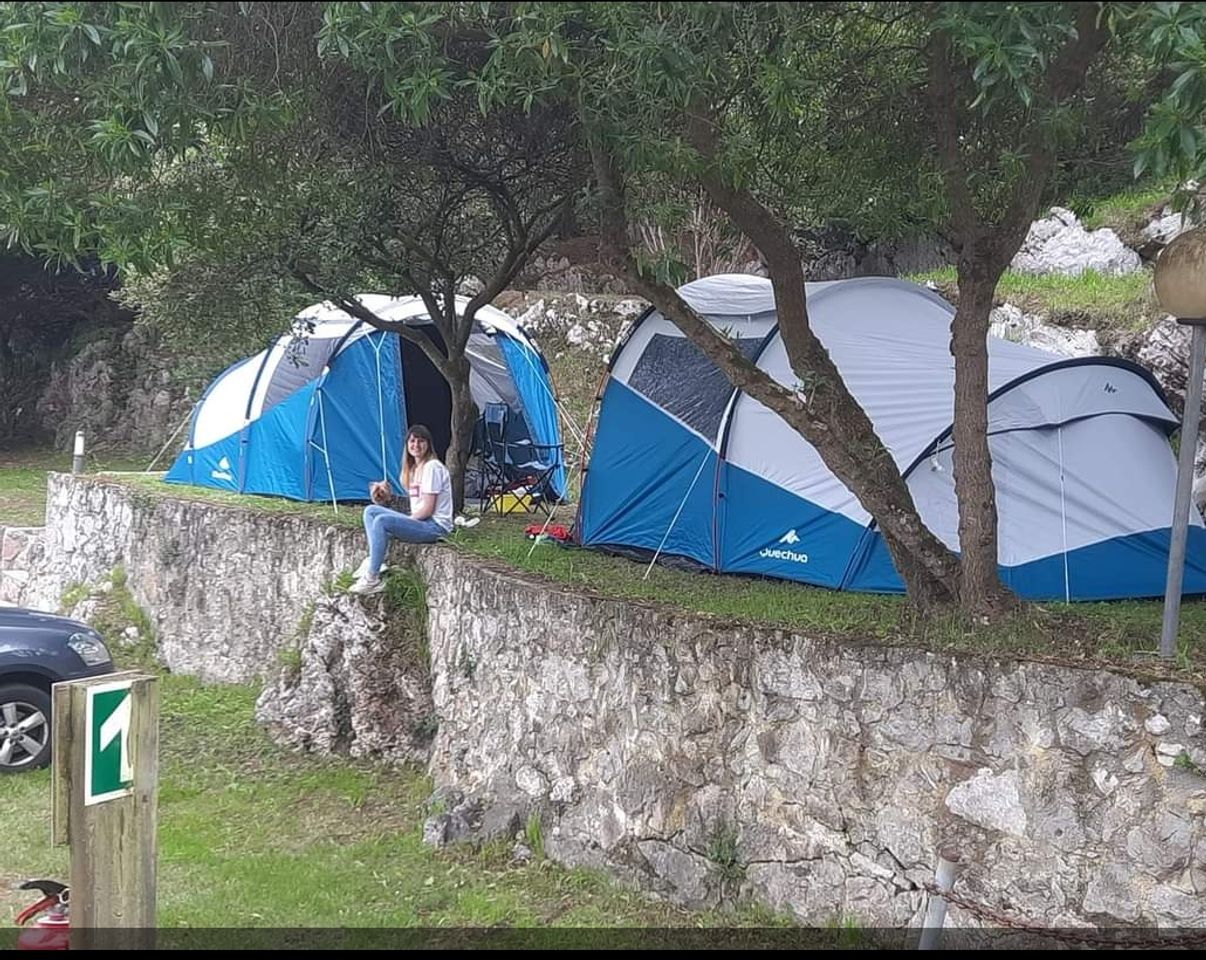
(77, 460)
(1181, 504)
(935, 913)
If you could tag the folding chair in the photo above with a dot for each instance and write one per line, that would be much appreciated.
(515, 476)
(492, 434)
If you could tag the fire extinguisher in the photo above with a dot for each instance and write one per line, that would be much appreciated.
(51, 930)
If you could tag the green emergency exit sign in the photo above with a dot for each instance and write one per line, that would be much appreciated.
(108, 766)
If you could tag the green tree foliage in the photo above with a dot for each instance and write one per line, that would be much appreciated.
(755, 104)
(955, 115)
(233, 159)
(1173, 37)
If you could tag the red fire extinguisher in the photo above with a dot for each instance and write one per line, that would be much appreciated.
(51, 930)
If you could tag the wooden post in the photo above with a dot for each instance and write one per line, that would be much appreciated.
(105, 799)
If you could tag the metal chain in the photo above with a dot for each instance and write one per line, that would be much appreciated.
(1198, 938)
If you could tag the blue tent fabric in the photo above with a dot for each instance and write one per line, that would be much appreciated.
(531, 377)
(771, 540)
(363, 427)
(1116, 569)
(278, 440)
(216, 465)
(653, 468)
(871, 568)
(687, 466)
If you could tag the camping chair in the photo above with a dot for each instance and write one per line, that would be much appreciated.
(516, 476)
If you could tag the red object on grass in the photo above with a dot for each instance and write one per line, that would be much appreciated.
(555, 531)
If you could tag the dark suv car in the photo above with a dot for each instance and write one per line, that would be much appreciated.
(36, 650)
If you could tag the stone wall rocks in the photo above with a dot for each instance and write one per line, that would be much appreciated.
(121, 391)
(353, 684)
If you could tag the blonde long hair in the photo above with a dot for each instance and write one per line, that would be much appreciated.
(409, 464)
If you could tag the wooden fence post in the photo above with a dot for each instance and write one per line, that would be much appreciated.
(105, 788)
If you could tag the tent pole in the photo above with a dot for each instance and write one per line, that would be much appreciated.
(577, 431)
(380, 405)
(658, 552)
(1063, 512)
(171, 438)
(322, 418)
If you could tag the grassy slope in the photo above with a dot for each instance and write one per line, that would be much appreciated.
(1111, 305)
(1128, 211)
(1123, 633)
(253, 836)
(23, 493)
(23, 482)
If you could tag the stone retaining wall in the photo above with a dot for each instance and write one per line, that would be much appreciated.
(698, 758)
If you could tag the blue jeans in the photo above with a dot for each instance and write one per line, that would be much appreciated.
(381, 523)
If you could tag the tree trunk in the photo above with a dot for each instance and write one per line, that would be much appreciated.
(464, 418)
(849, 445)
(984, 253)
(981, 592)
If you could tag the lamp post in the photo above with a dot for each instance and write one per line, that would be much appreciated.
(1180, 280)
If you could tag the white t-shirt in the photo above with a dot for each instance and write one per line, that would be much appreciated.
(433, 477)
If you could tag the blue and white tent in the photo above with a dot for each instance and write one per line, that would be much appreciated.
(321, 416)
(683, 465)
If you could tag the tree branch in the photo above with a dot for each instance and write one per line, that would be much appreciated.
(824, 413)
(717, 347)
(965, 220)
(1067, 72)
(806, 353)
(1065, 77)
(518, 257)
(354, 308)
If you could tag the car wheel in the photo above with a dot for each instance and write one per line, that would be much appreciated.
(24, 728)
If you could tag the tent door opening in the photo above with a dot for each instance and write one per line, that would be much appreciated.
(428, 396)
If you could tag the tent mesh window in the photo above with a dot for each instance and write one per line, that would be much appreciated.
(676, 375)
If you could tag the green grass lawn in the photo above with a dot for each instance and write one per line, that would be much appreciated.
(1107, 304)
(1111, 305)
(1126, 212)
(23, 481)
(254, 836)
(1120, 633)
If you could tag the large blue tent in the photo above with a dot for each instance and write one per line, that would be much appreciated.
(685, 467)
(321, 415)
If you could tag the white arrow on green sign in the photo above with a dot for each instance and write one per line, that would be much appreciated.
(108, 766)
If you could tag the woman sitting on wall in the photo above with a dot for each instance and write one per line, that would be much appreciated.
(430, 493)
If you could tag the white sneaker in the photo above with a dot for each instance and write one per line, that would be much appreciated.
(362, 570)
(366, 585)
(466, 521)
